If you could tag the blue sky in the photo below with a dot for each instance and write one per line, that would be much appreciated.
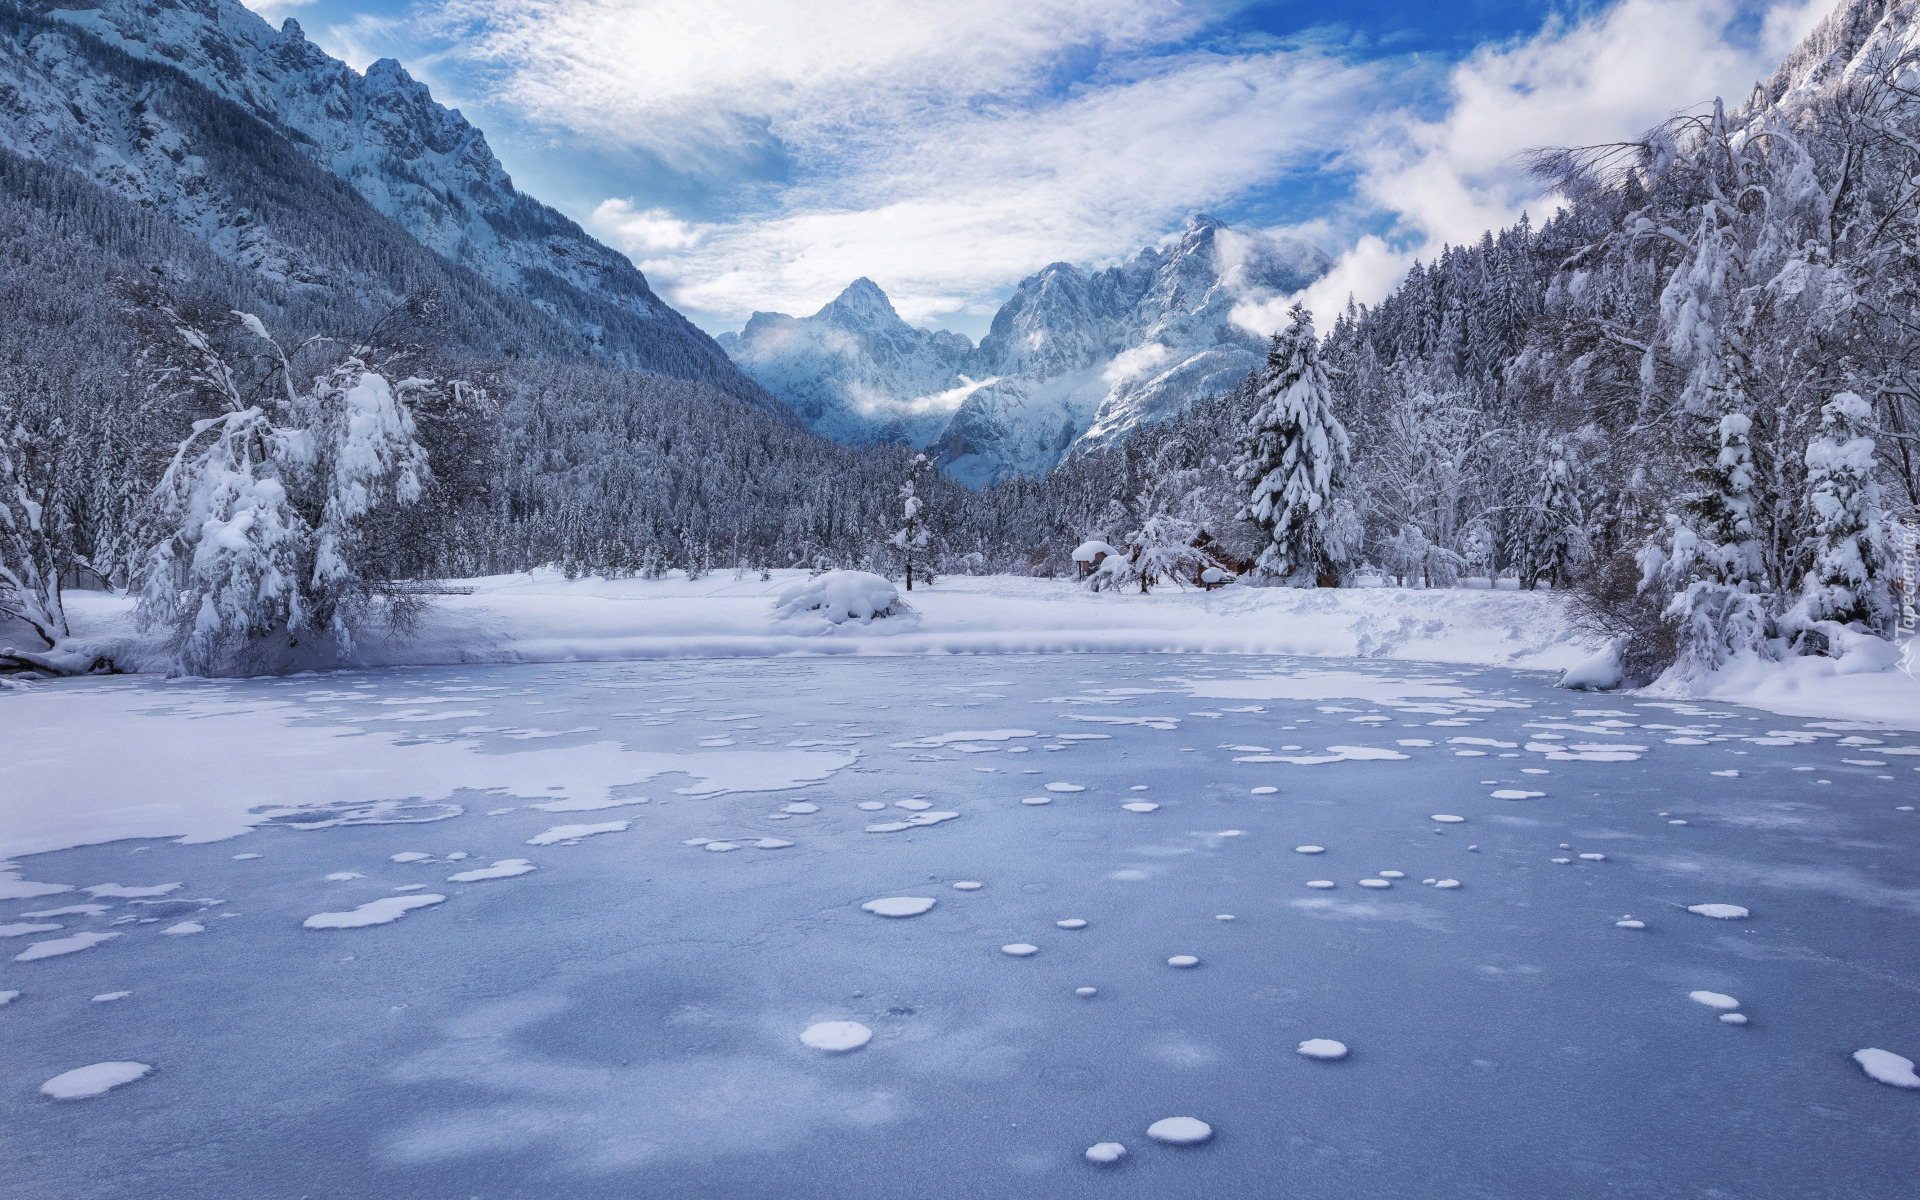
(760, 154)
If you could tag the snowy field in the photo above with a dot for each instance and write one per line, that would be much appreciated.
(911, 926)
(542, 617)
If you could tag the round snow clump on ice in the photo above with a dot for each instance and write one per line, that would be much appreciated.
(1630, 923)
(1713, 999)
(1265, 791)
(1105, 1153)
(1447, 818)
(722, 847)
(1516, 794)
(1590, 857)
(871, 806)
(1325, 1049)
(1038, 800)
(1376, 883)
(1393, 874)
(1319, 883)
(1183, 960)
(1309, 849)
(1071, 923)
(1720, 912)
(1065, 787)
(898, 906)
(967, 885)
(801, 807)
(1887, 1067)
(837, 1037)
(1086, 993)
(1180, 1131)
(1019, 949)
(100, 1078)
(1140, 806)
(1446, 883)
(1223, 916)
(1734, 1018)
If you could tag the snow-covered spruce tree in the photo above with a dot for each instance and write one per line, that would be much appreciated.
(1710, 576)
(33, 547)
(1848, 580)
(1293, 457)
(1551, 539)
(912, 536)
(273, 507)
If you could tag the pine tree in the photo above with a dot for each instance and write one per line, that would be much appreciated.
(1293, 457)
(1550, 535)
(912, 534)
(1848, 580)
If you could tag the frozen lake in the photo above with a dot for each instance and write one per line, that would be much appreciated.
(591, 998)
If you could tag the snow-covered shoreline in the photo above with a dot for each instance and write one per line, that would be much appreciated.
(544, 617)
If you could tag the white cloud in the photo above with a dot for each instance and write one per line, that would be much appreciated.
(275, 11)
(1610, 77)
(936, 148)
(645, 232)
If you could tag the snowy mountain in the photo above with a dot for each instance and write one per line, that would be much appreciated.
(1073, 360)
(854, 371)
(414, 161)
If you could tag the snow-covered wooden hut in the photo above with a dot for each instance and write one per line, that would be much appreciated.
(1090, 555)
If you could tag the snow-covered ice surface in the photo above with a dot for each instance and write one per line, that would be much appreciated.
(627, 1019)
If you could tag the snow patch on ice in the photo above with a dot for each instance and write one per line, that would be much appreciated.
(899, 906)
(83, 1083)
(374, 912)
(567, 833)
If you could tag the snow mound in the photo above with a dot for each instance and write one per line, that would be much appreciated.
(1019, 949)
(836, 1037)
(82, 1083)
(1600, 672)
(838, 597)
(1884, 1066)
(1180, 1131)
(1106, 1153)
(1325, 1049)
(1719, 912)
(373, 912)
(1183, 960)
(1713, 999)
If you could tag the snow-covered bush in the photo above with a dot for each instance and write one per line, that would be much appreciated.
(1161, 549)
(837, 597)
(282, 512)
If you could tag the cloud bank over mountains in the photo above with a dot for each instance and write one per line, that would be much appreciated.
(949, 151)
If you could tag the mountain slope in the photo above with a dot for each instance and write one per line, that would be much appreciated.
(416, 162)
(1073, 359)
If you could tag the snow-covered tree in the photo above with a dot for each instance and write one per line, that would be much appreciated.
(1711, 569)
(272, 507)
(1847, 582)
(1551, 539)
(1293, 457)
(33, 543)
(913, 535)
